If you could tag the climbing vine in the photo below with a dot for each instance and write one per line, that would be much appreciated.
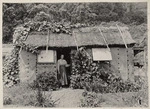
(10, 68)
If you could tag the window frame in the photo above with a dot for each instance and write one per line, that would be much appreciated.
(101, 60)
(46, 62)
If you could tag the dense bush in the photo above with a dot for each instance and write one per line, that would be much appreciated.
(42, 99)
(84, 70)
(120, 86)
(76, 82)
(91, 99)
(11, 68)
(46, 81)
(7, 101)
(110, 86)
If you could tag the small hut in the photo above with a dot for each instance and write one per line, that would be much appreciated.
(111, 44)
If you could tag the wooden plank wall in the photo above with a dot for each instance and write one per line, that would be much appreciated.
(114, 63)
(49, 68)
(123, 68)
(130, 57)
(122, 62)
(27, 66)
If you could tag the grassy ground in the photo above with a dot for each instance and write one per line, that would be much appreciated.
(68, 97)
(128, 99)
(22, 96)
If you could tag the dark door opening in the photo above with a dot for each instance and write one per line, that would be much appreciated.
(66, 53)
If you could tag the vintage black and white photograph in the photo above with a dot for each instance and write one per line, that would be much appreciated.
(77, 54)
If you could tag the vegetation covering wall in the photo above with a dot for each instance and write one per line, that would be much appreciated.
(11, 68)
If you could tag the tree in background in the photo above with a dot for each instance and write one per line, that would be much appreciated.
(15, 14)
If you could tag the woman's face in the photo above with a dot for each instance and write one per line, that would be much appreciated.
(62, 57)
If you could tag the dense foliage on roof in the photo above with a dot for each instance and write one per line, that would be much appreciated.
(21, 32)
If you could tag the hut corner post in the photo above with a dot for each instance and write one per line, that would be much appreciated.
(47, 41)
(104, 38)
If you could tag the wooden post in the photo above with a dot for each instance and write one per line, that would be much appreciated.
(104, 39)
(127, 65)
(21, 56)
(47, 41)
(125, 46)
(75, 40)
(20, 50)
(36, 72)
(87, 53)
(122, 36)
(145, 62)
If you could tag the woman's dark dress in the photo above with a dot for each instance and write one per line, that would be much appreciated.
(62, 69)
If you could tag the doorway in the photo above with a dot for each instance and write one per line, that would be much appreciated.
(66, 52)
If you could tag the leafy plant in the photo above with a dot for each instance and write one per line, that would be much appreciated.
(11, 68)
(7, 101)
(41, 98)
(46, 81)
(76, 82)
(91, 99)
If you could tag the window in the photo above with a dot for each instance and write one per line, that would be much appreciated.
(46, 56)
(101, 54)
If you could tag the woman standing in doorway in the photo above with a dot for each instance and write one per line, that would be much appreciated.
(62, 64)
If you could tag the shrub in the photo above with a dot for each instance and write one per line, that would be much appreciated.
(7, 100)
(120, 86)
(76, 82)
(84, 70)
(47, 81)
(44, 83)
(91, 100)
(42, 100)
(116, 85)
